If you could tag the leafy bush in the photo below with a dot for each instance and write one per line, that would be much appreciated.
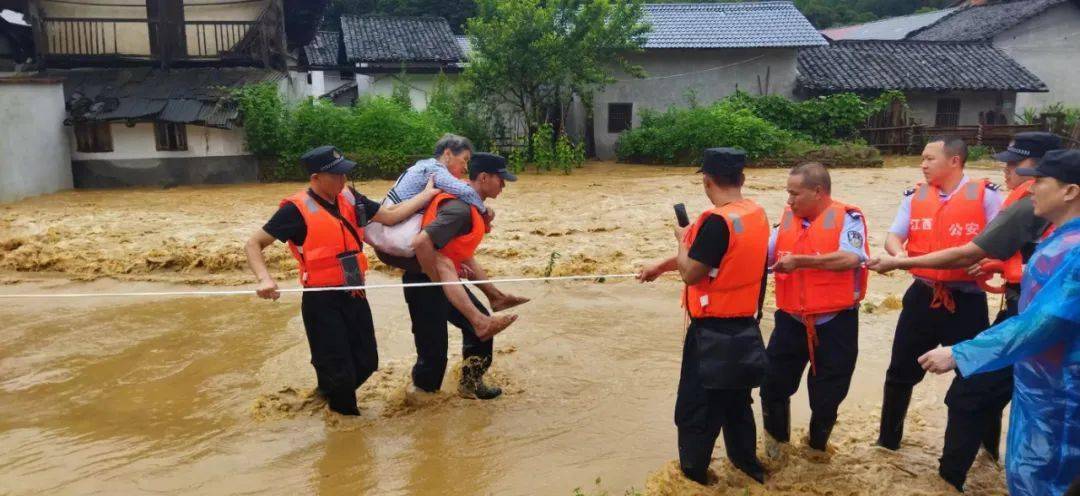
(825, 119)
(767, 127)
(978, 152)
(850, 155)
(383, 135)
(678, 135)
(1031, 115)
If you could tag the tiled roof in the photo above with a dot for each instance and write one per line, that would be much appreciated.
(729, 25)
(978, 23)
(189, 96)
(399, 39)
(324, 49)
(893, 28)
(910, 65)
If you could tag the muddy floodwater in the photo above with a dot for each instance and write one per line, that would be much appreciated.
(212, 395)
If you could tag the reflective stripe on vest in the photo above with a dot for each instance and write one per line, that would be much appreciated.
(326, 238)
(461, 248)
(938, 224)
(733, 289)
(806, 292)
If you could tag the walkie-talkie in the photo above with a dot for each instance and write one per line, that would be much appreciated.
(680, 215)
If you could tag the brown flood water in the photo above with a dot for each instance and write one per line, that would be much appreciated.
(212, 395)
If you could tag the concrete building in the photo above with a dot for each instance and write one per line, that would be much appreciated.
(704, 52)
(33, 139)
(147, 85)
(1041, 35)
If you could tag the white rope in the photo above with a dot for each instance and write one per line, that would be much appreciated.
(313, 290)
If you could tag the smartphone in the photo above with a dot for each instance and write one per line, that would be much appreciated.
(680, 215)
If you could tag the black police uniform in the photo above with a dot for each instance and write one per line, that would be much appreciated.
(723, 359)
(339, 327)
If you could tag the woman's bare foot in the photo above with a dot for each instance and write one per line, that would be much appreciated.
(494, 325)
(507, 302)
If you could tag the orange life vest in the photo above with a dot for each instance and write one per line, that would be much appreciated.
(814, 291)
(937, 225)
(462, 247)
(733, 289)
(327, 237)
(1012, 270)
(807, 293)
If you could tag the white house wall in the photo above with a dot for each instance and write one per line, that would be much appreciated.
(711, 74)
(923, 106)
(214, 156)
(420, 86)
(34, 156)
(1049, 46)
(138, 142)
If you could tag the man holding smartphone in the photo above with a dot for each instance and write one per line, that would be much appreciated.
(721, 259)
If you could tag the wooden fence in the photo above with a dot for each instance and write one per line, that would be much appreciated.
(911, 138)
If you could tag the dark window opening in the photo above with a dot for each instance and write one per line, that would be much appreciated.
(948, 112)
(620, 117)
(93, 137)
(170, 136)
(346, 76)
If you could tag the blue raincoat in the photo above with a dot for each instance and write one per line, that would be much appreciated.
(1043, 343)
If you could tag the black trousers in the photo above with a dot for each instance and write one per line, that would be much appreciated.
(835, 355)
(430, 311)
(974, 402)
(701, 413)
(341, 336)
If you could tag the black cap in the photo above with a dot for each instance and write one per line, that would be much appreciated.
(722, 160)
(1063, 165)
(490, 163)
(1029, 145)
(327, 159)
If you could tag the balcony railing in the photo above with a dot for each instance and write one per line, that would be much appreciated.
(100, 38)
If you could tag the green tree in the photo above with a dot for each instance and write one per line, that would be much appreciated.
(534, 55)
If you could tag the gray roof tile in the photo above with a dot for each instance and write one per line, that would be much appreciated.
(324, 49)
(399, 39)
(190, 96)
(893, 28)
(729, 25)
(983, 22)
(911, 65)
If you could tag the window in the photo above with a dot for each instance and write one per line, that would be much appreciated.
(948, 112)
(93, 137)
(170, 136)
(619, 117)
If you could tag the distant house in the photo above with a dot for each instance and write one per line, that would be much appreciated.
(146, 85)
(706, 51)
(409, 50)
(328, 76)
(1041, 35)
(946, 83)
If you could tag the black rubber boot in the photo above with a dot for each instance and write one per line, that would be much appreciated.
(776, 415)
(752, 468)
(819, 433)
(893, 410)
(955, 480)
(472, 384)
(992, 437)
